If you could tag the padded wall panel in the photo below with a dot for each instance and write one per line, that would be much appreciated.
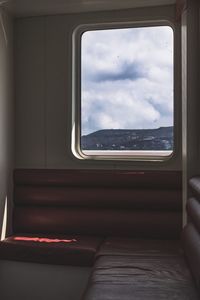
(191, 232)
(191, 240)
(99, 222)
(102, 178)
(98, 202)
(149, 199)
(193, 209)
(194, 184)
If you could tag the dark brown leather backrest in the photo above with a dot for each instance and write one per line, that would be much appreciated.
(118, 203)
(191, 232)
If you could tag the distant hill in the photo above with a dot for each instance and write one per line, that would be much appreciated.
(129, 139)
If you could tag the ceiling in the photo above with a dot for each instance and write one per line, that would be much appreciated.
(22, 8)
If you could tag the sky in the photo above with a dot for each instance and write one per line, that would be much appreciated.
(127, 78)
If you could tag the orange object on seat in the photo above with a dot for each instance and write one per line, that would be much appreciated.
(42, 240)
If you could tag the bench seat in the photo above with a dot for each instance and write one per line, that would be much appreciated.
(70, 250)
(123, 224)
(139, 247)
(140, 269)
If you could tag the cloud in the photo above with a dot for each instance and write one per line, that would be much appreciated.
(127, 79)
(126, 70)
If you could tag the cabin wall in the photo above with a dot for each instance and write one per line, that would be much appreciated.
(191, 89)
(6, 109)
(190, 95)
(43, 90)
(198, 89)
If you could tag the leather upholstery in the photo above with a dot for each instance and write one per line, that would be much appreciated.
(115, 246)
(99, 197)
(193, 209)
(99, 178)
(194, 184)
(88, 206)
(102, 203)
(191, 244)
(141, 270)
(92, 203)
(101, 222)
(191, 232)
(77, 253)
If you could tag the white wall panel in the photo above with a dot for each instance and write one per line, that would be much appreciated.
(6, 111)
(30, 92)
(44, 93)
(49, 7)
(57, 87)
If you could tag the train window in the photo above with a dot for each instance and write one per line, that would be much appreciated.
(127, 93)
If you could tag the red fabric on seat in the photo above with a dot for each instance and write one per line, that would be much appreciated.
(42, 240)
(79, 253)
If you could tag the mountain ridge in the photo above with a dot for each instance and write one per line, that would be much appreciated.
(129, 139)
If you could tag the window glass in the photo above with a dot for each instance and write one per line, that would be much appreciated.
(127, 96)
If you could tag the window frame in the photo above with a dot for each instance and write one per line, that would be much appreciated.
(76, 96)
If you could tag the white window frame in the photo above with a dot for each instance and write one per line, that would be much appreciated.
(160, 156)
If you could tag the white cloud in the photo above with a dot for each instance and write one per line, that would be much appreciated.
(127, 79)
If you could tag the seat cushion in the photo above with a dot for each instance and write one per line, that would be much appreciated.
(139, 247)
(140, 269)
(50, 249)
(140, 278)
